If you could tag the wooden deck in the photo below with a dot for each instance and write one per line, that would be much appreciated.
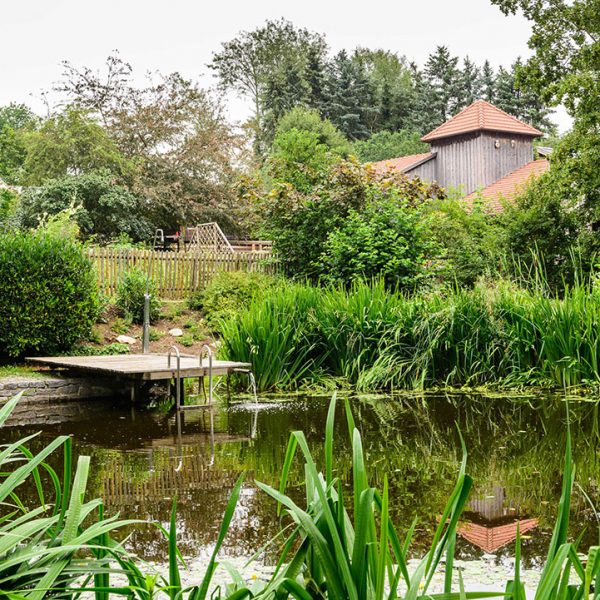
(145, 367)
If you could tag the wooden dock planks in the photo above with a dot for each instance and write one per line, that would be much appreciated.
(148, 367)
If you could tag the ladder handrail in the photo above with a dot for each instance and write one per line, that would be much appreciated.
(178, 378)
(210, 370)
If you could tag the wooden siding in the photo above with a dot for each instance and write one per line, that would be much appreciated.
(513, 153)
(427, 171)
(470, 162)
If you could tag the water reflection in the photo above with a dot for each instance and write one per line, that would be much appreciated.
(142, 460)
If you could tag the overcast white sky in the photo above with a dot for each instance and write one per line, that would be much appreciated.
(181, 35)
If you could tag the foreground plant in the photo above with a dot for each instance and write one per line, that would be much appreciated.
(57, 546)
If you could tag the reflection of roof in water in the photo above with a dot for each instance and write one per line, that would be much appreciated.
(490, 539)
(493, 521)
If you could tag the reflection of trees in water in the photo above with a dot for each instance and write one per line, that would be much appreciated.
(516, 444)
(140, 461)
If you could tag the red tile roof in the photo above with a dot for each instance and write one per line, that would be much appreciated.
(490, 539)
(481, 115)
(402, 163)
(509, 186)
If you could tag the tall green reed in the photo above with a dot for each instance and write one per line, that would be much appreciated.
(494, 334)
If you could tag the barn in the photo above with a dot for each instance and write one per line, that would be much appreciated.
(481, 152)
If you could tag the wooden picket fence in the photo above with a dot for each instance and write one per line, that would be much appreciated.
(175, 274)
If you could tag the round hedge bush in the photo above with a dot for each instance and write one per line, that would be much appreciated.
(48, 295)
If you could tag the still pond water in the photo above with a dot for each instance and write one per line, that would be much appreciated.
(142, 459)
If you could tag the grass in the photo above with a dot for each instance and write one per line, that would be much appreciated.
(492, 335)
(20, 371)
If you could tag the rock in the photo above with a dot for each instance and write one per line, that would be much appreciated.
(176, 332)
(125, 339)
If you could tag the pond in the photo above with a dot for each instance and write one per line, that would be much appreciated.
(141, 460)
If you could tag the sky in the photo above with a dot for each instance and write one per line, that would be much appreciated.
(181, 35)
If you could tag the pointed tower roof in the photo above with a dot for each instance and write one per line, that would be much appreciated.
(481, 116)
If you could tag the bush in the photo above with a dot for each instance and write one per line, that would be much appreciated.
(107, 209)
(228, 293)
(385, 144)
(299, 223)
(388, 239)
(48, 295)
(130, 296)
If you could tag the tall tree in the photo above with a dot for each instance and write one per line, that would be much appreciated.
(442, 73)
(172, 131)
(390, 79)
(349, 104)
(15, 121)
(565, 66)
(70, 142)
(469, 83)
(488, 82)
(247, 63)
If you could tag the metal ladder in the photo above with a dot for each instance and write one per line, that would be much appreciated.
(178, 382)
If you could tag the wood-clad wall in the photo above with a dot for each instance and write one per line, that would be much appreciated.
(471, 162)
(427, 171)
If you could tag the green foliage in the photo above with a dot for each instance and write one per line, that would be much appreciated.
(131, 290)
(351, 549)
(471, 242)
(278, 324)
(374, 338)
(229, 293)
(70, 143)
(8, 204)
(564, 66)
(389, 238)
(15, 121)
(106, 210)
(61, 541)
(306, 119)
(272, 66)
(386, 144)
(300, 223)
(298, 158)
(48, 295)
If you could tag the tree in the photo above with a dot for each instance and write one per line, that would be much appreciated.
(565, 40)
(300, 221)
(389, 238)
(350, 99)
(299, 159)
(103, 209)
(391, 83)
(15, 121)
(488, 83)
(384, 144)
(70, 143)
(248, 63)
(469, 83)
(305, 119)
(442, 74)
(173, 132)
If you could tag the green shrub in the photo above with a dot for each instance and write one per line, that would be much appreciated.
(388, 239)
(48, 295)
(227, 293)
(130, 296)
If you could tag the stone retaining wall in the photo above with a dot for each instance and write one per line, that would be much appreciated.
(54, 399)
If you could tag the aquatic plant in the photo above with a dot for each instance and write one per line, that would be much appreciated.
(497, 335)
(276, 335)
(50, 549)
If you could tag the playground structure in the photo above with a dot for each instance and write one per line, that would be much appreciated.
(203, 238)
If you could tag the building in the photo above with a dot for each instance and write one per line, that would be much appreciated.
(481, 151)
